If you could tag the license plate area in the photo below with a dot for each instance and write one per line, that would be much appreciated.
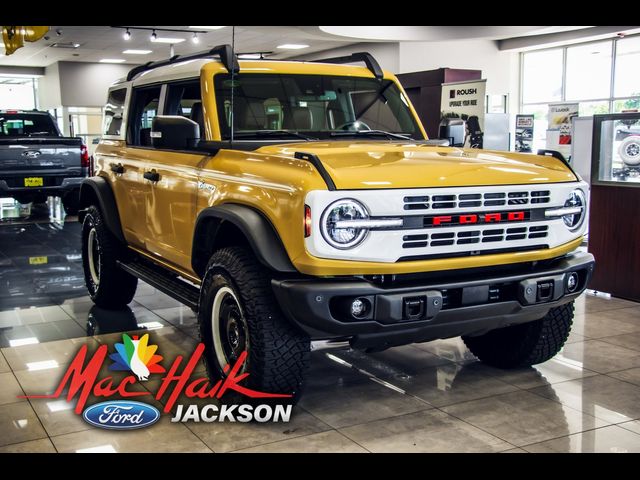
(33, 182)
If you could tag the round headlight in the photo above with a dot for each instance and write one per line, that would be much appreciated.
(340, 237)
(576, 199)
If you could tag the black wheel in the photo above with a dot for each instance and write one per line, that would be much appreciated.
(238, 312)
(525, 344)
(71, 203)
(109, 286)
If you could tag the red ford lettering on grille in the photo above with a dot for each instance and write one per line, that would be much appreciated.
(468, 219)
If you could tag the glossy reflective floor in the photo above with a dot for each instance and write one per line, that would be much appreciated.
(433, 397)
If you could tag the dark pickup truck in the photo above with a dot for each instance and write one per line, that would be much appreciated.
(36, 161)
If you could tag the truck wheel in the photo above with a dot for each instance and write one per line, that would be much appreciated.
(109, 286)
(239, 312)
(71, 202)
(629, 150)
(525, 344)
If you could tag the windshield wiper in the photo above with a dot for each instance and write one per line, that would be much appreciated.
(378, 133)
(268, 133)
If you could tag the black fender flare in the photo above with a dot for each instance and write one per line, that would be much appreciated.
(98, 189)
(258, 230)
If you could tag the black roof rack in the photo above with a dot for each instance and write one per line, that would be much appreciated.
(225, 52)
(365, 57)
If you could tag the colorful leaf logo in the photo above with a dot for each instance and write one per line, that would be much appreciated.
(136, 355)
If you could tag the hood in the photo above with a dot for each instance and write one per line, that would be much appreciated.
(375, 165)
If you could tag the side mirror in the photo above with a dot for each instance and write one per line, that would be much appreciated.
(174, 132)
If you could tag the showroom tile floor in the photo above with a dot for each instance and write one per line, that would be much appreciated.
(433, 397)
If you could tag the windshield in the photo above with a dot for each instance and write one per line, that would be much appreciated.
(312, 106)
(26, 125)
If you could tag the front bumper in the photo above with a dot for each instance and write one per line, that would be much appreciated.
(424, 310)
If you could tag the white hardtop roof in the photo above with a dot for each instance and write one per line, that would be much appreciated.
(191, 69)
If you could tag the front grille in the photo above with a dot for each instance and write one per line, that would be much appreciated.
(471, 200)
(478, 236)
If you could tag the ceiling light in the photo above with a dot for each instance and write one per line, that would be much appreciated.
(293, 46)
(23, 341)
(195, 38)
(150, 325)
(154, 36)
(43, 365)
(127, 35)
(250, 56)
(59, 406)
(168, 40)
(137, 52)
(112, 60)
(208, 28)
(99, 449)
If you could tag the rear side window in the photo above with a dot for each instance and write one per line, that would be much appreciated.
(143, 110)
(27, 125)
(181, 97)
(114, 112)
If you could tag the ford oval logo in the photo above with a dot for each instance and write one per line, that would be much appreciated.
(31, 153)
(121, 415)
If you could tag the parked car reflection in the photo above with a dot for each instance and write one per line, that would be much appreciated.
(40, 264)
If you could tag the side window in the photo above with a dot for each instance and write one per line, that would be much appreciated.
(185, 99)
(144, 108)
(114, 111)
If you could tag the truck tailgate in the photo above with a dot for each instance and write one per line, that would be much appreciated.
(43, 155)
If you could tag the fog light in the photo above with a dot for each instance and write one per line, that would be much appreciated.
(572, 282)
(359, 307)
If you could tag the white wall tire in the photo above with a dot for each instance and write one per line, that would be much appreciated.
(277, 351)
(629, 150)
(108, 285)
(224, 332)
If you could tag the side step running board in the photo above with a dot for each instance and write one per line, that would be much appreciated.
(164, 281)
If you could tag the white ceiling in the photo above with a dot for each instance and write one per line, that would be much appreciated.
(98, 42)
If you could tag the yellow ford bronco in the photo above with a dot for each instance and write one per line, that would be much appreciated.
(294, 204)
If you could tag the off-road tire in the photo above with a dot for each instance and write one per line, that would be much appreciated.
(116, 287)
(629, 150)
(278, 352)
(525, 344)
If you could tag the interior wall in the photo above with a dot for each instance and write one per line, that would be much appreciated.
(85, 84)
(49, 88)
(482, 55)
(387, 54)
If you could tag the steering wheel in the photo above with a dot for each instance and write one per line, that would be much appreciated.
(357, 124)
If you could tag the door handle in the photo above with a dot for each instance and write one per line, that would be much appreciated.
(117, 168)
(152, 176)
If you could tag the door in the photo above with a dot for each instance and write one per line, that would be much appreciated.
(129, 164)
(170, 206)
